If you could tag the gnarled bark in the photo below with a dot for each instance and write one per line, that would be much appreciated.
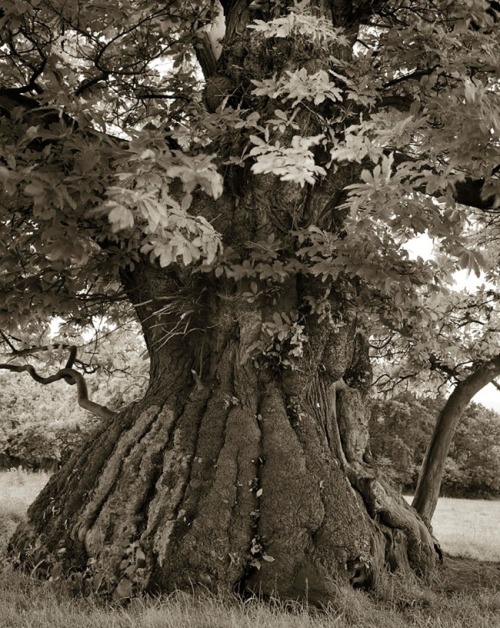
(243, 466)
(233, 472)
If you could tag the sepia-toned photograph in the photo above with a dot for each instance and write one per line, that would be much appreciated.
(249, 314)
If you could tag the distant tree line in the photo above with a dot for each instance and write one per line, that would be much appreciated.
(400, 429)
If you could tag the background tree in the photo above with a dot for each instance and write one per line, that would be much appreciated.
(250, 196)
(400, 431)
(457, 348)
(433, 466)
(475, 471)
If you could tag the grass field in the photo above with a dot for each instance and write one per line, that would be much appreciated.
(17, 490)
(464, 527)
(468, 527)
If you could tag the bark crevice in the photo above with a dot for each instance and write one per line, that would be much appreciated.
(247, 477)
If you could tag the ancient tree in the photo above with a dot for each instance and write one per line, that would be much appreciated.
(431, 474)
(245, 175)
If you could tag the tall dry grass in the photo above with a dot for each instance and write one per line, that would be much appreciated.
(27, 603)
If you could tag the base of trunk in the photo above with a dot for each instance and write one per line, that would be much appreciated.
(227, 494)
(253, 481)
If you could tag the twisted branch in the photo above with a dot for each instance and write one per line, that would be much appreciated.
(71, 377)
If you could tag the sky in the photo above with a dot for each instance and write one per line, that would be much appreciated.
(489, 396)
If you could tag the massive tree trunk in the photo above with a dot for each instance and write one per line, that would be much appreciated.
(243, 468)
(233, 472)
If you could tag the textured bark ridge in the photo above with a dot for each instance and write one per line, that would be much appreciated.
(244, 467)
(232, 473)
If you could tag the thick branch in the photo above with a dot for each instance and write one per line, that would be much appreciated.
(229, 5)
(467, 192)
(70, 376)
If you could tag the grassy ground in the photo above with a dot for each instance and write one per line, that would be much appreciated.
(465, 593)
(17, 490)
(43, 605)
(468, 527)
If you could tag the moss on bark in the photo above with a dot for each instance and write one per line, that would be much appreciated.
(249, 478)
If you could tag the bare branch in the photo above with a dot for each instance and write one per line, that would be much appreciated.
(412, 75)
(70, 376)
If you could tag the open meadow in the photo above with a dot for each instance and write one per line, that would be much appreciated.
(468, 527)
(466, 595)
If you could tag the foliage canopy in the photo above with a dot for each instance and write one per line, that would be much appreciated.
(117, 135)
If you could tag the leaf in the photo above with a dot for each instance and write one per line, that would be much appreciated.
(37, 191)
(120, 217)
(166, 256)
(57, 571)
(187, 257)
(123, 590)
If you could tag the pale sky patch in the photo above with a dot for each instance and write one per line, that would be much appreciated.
(489, 396)
(423, 246)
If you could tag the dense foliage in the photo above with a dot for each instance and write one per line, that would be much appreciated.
(400, 429)
(109, 136)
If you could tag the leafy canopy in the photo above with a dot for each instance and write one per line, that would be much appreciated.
(112, 146)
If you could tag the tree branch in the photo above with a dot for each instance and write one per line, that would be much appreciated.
(431, 473)
(467, 192)
(412, 75)
(70, 376)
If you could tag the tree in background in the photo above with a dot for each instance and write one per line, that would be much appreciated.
(246, 175)
(457, 348)
(400, 429)
(433, 465)
(473, 466)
